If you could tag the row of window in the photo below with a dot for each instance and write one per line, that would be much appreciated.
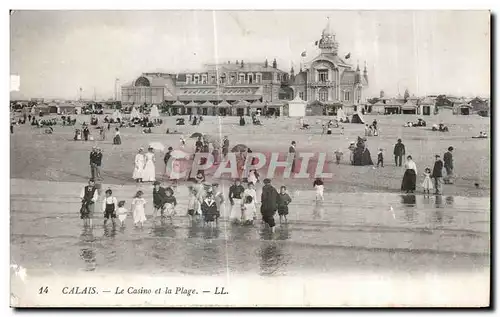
(242, 79)
(323, 95)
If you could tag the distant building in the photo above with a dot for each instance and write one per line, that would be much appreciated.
(240, 85)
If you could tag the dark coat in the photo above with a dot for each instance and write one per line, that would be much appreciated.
(399, 149)
(269, 200)
(95, 158)
(159, 197)
(448, 160)
(209, 209)
(437, 171)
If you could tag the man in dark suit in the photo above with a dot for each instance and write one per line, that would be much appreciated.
(269, 203)
(437, 174)
(291, 149)
(448, 165)
(159, 197)
(95, 163)
(399, 152)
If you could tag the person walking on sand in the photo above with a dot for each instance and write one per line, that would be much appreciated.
(448, 166)
(139, 164)
(380, 158)
(437, 174)
(138, 210)
(269, 203)
(149, 172)
(399, 152)
(427, 183)
(410, 177)
(292, 150)
(117, 140)
(89, 196)
(320, 187)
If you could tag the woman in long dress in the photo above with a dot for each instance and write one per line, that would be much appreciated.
(148, 174)
(139, 166)
(410, 177)
(117, 140)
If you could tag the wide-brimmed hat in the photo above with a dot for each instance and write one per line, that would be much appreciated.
(199, 177)
(267, 181)
(156, 183)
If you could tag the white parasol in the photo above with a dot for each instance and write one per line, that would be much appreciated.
(157, 146)
(178, 154)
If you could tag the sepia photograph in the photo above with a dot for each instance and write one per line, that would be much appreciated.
(250, 158)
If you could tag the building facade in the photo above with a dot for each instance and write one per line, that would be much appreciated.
(328, 78)
(239, 84)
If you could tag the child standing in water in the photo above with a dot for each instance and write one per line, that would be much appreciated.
(219, 201)
(248, 210)
(193, 203)
(109, 207)
(283, 201)
(122, 213)
(427, 184)
(209, 210)
(138, 212)
(170, 203)
(319, 186)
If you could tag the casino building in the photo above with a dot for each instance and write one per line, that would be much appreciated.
(326, 83)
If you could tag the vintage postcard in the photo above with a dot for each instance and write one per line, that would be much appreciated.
(250, 158)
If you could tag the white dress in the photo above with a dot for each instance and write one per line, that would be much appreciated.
(138, 210)
(252, 193)
(148, 174)
(122, 214)
(139, 166)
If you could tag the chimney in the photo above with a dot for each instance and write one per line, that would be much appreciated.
(275, 65)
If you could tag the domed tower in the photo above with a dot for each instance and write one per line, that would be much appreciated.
(328, 44)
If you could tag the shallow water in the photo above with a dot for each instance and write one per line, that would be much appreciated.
(347, 231)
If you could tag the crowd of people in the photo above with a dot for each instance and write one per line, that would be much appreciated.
(205, 204)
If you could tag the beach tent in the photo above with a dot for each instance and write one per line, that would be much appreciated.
(297, 107)
(341, 115)
(117, 115)
(357, 118)
(154, 112)
(134, 113)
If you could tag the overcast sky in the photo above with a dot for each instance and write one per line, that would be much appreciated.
(428, 52)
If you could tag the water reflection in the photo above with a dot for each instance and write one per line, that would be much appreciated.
(283, 233)
(450, 200)
(409, 203)
(194, 229)
(87, 252)
(210, 233)
(271, 258)
(409, 200)
(242, 232)
(110, 232)
(318, 211)
(438, 203)
(164, 230)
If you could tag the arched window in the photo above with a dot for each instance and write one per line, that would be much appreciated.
(142, 82)
(323, 94)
